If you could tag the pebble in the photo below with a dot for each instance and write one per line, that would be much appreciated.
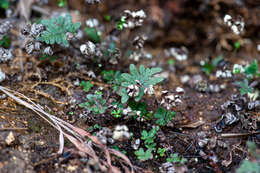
(121, 132)
(10, 138)
(2, 76)
(135, 144)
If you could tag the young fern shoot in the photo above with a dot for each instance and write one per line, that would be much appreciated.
(137, 82)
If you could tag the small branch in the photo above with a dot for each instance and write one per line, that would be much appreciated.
(40, 10)
(15, 128)
(229, 135)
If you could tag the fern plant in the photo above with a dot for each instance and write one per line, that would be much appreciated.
(252, 165)
(95, 103)
(144, 155)
(163, 116)
(144, 78)
(57, 30)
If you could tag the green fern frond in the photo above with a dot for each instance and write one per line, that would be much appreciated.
(57, 28)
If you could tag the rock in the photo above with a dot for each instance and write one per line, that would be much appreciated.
(10, 138)
(2, 76)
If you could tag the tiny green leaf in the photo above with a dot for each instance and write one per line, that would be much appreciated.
(86, 85)
(92, 34)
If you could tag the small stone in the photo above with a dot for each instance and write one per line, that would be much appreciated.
(135, 144)
(2, 76)
(88, 49)
(179, 90)
(48, 51)
(10, 138)
(185, 79)
(93, 22)
(121, 132)
(72, 167)
(5, 55)
(37, 46)
(202, 142)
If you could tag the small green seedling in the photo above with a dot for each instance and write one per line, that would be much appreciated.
(57, 29)
(144, 77)
(112, 77)
(148, 137)
(120, 24)
(51, 58)
(4, 4)
(252, 70)
(237, 45)
(62, 3)
(209, 67)
(95, 104)
(138, 106)
(107, 18)
(171, 62)
(5, 42)
(86, 85)
(175, 158)
(93, 34)
(144, 155)
(116, 113)
(163, 116)
(161, 152)
(244, 87)
(108, 75)
(252, 165)
(249, 167)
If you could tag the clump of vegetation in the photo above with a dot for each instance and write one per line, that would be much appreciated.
(244, 87)
(134, 84)
(58, 30)
(92, 34)
(252, 165)
(175, 158)
(95, 103)
(4, 4)
(144, 155)
(62, 3)
(5, 42)
(208, 67)
(112, 77)
(148, 137)
(250, 72)
(163, 116)
(86, 85)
